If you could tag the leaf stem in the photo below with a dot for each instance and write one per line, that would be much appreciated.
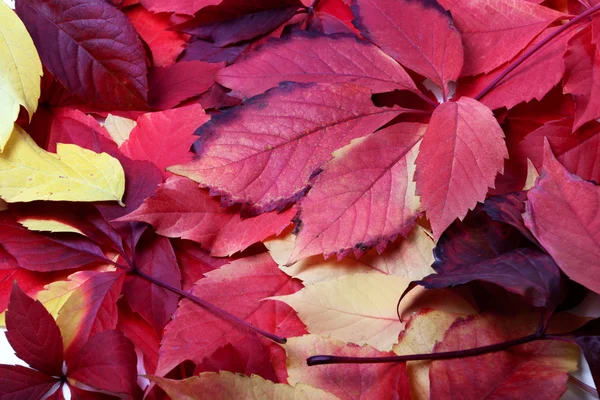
(330, 359)
(210, 307)
(533, 50)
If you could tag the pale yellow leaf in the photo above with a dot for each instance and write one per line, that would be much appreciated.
(119, 128)
(20, 72)
(29, 173)
(229, 386)
(47, 225)
(532, 175)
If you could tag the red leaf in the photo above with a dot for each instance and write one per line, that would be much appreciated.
(194, 262)
(106, 362)
(239, 287)
(154, 257)
(91, 309)
(188, 7)
(459, 158)
(311, 57)
(53, 252)
(33, 333)
(364, 197)
(494, 31)
(582, 78)
(267, 166)
(17, 382)
(165, 138)
(175, 83)
(181, 208)
(562, 213)
(590, 345)
(164, 44)
(429, 45)
(233, 21)
(91, 48)
(531, 80)
(203, 50)
(142, 335)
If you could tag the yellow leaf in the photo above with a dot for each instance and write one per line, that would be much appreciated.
(20, 72)
(227, 385)
(119, 128)
(29, 173)
(532, 175)
(48, 225)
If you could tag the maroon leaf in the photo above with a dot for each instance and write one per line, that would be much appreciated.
(311, 57)
(106, 362)
(33, 333)
(509, 209)
(364, 197)
(590, 345)
(91, 48)
(188, 7)
(266, 167)
(233, 21)
(21, 383)
(429, 45)
(203, 50)
(142, 335)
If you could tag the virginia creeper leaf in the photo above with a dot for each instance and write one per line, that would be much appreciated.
(20, 72)
(203, 50)
(509, 209)
(91, 48)
(18, 382)
(181, 7)
(494, 31)
(119, 128)
(364, 197)
(429, 45)
(562, 215)
(311, 57)
(459, 157)
(265, 167)
(142, 335)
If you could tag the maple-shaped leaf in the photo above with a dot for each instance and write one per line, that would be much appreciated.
(233, 21)
(582, 77)
(177, 6)
(536, 370)
(459, 157)
(180, 208)
(364, 198)
(533, 79)
(226, 385)
(153, 29)
(165, 138)
(429, 45)
(346, 381)
(562, 215)
(33, 333)
(91, 48)
(494, 31)
(310, 57)
(265, 167)
(175, 83)
(237, 288)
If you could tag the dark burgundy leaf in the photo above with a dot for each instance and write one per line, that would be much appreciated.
(203, 50)
(509, 209)
(590, 345)
(21, 383)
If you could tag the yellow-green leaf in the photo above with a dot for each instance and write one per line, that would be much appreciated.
(48, 225)
(20, 71)
(29, 173)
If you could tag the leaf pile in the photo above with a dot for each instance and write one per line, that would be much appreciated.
(351, 199)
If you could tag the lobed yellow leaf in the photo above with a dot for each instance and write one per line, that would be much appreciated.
(228, 385)
(20, 72)
(29, 173)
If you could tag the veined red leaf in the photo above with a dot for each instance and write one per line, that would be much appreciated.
(333, 16)
(311, 57)
(494, 31)
(582, 77)
(238, 288)
(106, 362)
(459, 157)
(91, 309)
(364, 198)
(429, 45)
(153, 28)
(142, 335)
(175, 83)
(267, 166)
(33, 333)
(165, 137)
(531, 80)
(194, 262)
(18, 382)
(154, 257)
(233, 21)
(72, 37)
(182, 209)
(562, 213)
(188, 7)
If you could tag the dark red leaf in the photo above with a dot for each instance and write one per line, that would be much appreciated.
(590, 345)
(21, 383)
(188, 7)
(509, 209)
(195, 262)
(33, 333)
(91, 48)
(142, 335)
(203, 50)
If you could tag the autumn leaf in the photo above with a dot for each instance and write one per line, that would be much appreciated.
(20, 72)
